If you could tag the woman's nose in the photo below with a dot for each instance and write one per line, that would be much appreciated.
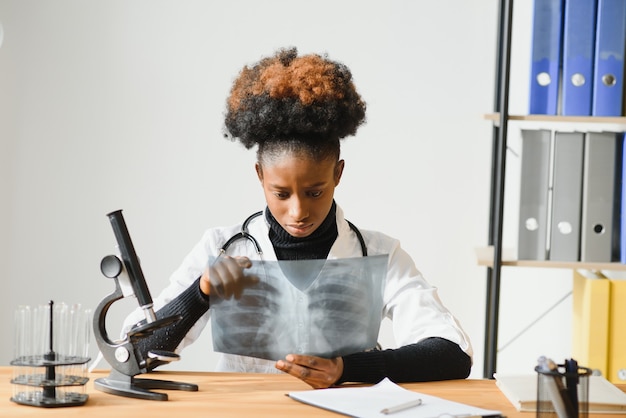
(298, 210)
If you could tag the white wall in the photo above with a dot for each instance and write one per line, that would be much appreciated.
(118, 105)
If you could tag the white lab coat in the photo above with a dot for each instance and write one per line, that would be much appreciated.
(409, 301)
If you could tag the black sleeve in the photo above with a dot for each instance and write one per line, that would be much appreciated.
(191, 305)
(430, 359)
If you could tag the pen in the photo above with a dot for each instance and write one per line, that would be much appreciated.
(401, 407)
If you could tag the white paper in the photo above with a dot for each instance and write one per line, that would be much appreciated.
(369, 401)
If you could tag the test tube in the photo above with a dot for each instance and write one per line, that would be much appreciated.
(22, 334)
(22, 345)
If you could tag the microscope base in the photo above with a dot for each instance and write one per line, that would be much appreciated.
(122, 385)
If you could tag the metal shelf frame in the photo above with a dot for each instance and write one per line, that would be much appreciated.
(498, 166)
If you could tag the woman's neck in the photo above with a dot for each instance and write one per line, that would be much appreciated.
(315, 246)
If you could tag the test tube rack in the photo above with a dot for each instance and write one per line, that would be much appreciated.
(46, 386)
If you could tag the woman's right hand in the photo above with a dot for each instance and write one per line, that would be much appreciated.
(226, 277)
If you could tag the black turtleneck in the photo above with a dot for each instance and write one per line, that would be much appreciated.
(314, 247)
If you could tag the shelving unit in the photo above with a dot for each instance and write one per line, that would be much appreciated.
(543, 119)
(484, 255)
(493, 256)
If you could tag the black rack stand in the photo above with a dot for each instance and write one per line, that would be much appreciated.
(49, 381)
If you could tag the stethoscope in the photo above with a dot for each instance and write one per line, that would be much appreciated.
(244, 234)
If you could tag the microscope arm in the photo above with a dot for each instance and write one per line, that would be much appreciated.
(123, 355)
(131, 263)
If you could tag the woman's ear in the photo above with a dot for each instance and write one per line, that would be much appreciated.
(339, 171)
(259, 171)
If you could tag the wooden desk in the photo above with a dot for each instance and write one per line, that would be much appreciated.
(238, 395)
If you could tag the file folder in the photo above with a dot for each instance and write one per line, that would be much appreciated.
(601, 198)
(546, 57)
(534, 192)
(590, 320)
(608, 86)
(617, 332)
(579, 34)
(566, 196)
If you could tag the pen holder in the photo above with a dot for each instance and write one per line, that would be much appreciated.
(561, 393)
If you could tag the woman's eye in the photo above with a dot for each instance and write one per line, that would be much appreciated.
(316, 194)
(281, 195)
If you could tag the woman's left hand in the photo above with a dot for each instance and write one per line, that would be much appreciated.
(318, 372)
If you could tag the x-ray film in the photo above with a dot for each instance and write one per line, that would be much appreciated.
(326, 308)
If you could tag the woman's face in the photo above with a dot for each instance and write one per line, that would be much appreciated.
(299, 190)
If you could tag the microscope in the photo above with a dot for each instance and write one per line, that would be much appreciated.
(123, 355)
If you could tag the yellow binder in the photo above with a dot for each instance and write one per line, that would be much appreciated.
(617, 332)
(591, 296)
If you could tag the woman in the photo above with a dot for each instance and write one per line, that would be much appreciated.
(295, 110)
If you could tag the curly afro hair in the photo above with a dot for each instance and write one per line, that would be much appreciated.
(288, 98)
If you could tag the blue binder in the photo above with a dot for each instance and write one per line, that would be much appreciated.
(546, 57)
(608, 86)
(579, 34)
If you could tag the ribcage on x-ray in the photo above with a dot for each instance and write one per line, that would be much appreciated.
(325, 307)
(248, 322)
(339, 313)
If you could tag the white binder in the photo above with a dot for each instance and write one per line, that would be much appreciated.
(534, 195)
(566, 196)
(600, 201)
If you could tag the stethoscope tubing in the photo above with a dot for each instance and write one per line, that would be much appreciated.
(244, 234)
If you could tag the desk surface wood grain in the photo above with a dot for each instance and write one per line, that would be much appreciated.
(236, 395)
